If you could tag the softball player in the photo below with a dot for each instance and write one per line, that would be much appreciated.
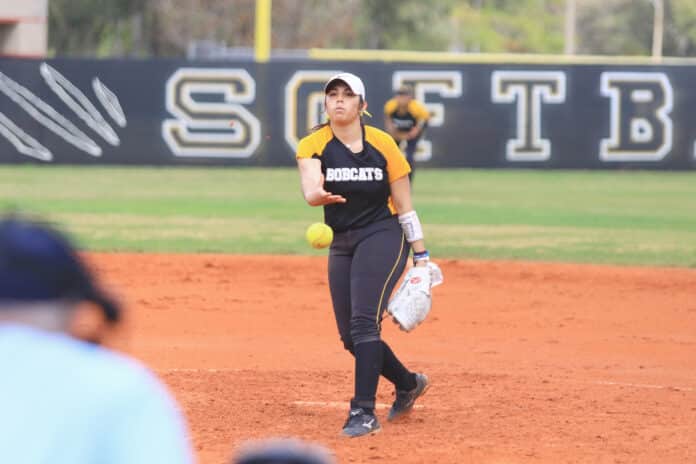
(63, 400)
(357, 173)
(405, 119)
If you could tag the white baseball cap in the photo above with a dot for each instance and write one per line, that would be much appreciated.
(351, 80)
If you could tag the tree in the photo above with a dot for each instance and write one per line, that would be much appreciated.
(680, 30)
(493, 26)
(89, 27)
(615, 27)
(168, 27)
(404, 24)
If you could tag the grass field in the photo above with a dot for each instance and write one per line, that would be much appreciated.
(622, 217)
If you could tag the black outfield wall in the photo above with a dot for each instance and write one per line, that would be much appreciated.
(172, 112)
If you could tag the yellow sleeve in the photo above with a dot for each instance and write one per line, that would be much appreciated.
(390, 107)
(314, 143)
(397, 166)
(419, 111)
(306, 149)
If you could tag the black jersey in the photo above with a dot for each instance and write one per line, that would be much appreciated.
(362, 178)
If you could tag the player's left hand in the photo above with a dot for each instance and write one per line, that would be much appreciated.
(436, 275)
(411, 302)
(413, 133)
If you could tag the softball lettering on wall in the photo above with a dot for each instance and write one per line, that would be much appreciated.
(210, 118)
(528, 90)
(444, 84)
(176, 112)
(641, 127)
(306, 84)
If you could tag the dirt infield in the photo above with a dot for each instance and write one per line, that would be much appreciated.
(530, 362)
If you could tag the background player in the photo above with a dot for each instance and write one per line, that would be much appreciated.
(358, 174)
(64, 400)
(405, 119)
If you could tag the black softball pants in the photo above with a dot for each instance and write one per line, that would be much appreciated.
(364, 266)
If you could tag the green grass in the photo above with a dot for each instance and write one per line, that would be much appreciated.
(623, 217)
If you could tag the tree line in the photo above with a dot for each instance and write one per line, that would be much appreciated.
(167, 28)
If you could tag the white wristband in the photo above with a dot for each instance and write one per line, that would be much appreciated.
(411, 226)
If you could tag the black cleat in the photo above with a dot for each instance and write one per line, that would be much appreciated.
(360, 423)
(405, 399)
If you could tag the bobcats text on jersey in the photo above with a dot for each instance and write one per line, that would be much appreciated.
(354, 174)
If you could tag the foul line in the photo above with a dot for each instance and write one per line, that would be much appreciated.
(312, 404)
(643, 385)
(341, 404)
(338, 404)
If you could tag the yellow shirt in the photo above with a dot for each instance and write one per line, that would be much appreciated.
(404, 121)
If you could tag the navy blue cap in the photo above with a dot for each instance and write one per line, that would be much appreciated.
(284, 451)
(37, 263)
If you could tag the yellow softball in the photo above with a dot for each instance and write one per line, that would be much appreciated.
(319, 235)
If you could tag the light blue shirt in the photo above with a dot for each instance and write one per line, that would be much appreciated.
(63, 401)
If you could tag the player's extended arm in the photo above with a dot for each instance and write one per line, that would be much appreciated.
(422, 118)
(312, 181)
(417, 130)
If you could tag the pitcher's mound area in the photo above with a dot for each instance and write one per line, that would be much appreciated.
(529, 362)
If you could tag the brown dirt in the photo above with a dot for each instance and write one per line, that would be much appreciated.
(530, 362)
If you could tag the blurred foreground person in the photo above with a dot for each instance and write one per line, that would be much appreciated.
(64, 399)
(283, 451)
